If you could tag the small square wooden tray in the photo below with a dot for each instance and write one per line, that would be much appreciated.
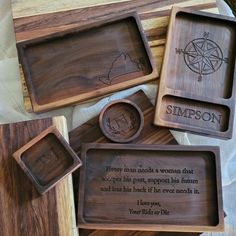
(150, 187)
(83, 63)
(47, 159)
(197, 86)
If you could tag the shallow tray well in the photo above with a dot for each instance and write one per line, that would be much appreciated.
(150, 187)
(197, 85)
(87, 62)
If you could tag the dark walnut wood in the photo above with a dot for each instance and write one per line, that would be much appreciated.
(90, 132)
(121, 121)
(86, 62)
(24, 211)
(150, 187)
(47, 159)
(35, 26)
(150, 134)
(197, 87)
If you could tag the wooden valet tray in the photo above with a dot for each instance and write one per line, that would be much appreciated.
(150, 187)
(197, 87)
(86, 62)
(47, 159)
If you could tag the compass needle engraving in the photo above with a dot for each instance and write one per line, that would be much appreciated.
(202, 56)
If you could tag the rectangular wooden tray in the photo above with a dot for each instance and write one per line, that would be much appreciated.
(85, 62)
(24, 211)
(150, 187)
(197, 87)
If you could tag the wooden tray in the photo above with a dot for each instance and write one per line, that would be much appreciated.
(90, 132)
(150, 187)
(24, 211)
(197, 92)
(47, 159)
(37, 20)
(83, 63)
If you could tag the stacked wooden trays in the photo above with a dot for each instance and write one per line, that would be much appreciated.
(119, 184)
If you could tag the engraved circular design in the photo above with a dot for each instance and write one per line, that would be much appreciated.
(121, 121)
(203, 56)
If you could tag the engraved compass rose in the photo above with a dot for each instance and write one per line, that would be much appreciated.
(202, 56)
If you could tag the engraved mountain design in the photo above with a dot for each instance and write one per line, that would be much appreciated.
(122, 65)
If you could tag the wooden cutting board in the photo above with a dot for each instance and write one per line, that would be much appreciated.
(90, 132)
(35, 19)
(23, 210)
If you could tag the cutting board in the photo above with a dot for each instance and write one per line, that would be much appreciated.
(35, 19)
(23, 210)
(90, 132)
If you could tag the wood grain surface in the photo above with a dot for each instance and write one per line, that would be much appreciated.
(150, 134)
(197, 93)
(32, 20)
(90, 132)
(83, 63)
(47, 159)
(150, 187)
(24, 211)
(121, 121)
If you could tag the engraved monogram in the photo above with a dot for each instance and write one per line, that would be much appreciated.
(47, 159)
(121, 124)
(202, 56)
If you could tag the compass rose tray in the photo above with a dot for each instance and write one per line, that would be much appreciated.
(150, 187)
(197, 87)
(83, 63)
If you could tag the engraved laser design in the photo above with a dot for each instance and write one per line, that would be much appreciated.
(122, 65)
(193, 114)
(46, 159)
(202, 56)
(121, 124)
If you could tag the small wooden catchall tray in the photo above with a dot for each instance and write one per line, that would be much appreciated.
(197, 86)
(47, 159)
(87, 62)
(150, 187)
(121, 121)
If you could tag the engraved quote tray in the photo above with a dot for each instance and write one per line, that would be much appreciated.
(150, 187)
(83, 63)
(197, 85)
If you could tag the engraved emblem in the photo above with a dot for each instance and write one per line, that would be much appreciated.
(121, 124)
(47, 159)
(202, 56)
